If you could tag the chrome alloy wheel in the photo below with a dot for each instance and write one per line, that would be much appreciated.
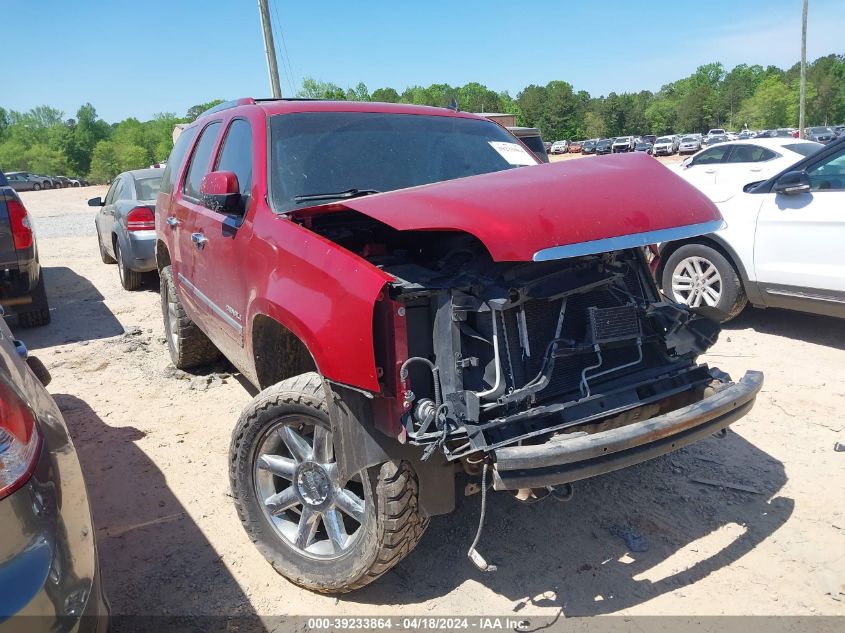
(172, 320)
(697, 282)
(297, 485)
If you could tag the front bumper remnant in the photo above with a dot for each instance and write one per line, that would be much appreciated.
(563, 460)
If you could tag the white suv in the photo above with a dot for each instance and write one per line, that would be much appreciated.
(781, 246)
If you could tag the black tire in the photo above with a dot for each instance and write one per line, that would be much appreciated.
(188, 345)
(39, 313)
(39, 369)
(732, 298)
(36, 187)
(104, 255)
(129, 279)
(392, 525)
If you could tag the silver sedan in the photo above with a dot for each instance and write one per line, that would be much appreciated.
(126, 224)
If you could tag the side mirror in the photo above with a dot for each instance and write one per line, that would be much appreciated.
(221, 192)
(95, 202)
(792, 182)
(687, 162)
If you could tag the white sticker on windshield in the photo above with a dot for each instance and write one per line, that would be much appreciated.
(514, 153)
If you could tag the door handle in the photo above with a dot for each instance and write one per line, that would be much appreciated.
(709, 171)
(173, 222)
(199, 240)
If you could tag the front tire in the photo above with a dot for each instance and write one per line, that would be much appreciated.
(36, 187)
(188, 345)
(701, 276)
(321, 533)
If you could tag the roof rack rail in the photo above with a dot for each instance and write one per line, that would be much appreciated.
(263, 99)
(228, 104)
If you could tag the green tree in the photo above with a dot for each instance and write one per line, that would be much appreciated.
(313, 89)
(194, 111)
(385, 95)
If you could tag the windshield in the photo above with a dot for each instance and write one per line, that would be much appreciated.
(820, 130)
(689, 139)
(319, 152)
(664, 139)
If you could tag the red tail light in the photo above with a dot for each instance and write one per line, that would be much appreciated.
(19, 441)
(140, 219)
(21, 226)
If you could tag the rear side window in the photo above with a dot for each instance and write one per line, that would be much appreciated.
(177, 155)
(200, 161)
(750, 154)
(236, 155)
(713, 155)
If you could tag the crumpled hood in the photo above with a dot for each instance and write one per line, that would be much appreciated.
(555, 210)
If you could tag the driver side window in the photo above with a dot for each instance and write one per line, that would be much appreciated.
(828, 175)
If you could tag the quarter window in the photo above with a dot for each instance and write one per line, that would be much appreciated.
(177, 155)
(236, 155)
(200, 161)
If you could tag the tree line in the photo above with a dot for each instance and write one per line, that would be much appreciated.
(42, 140)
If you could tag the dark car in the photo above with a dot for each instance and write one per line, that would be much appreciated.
(417, 302)
(589, 147)
(22, 290)
(714, 140)
(820, 134)
(49, 576)
(605, 146)
(644, 146)
(125, 224)
(837, 130)
(532, 139)
(649, 138)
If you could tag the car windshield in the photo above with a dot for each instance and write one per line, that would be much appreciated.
(820, 130)
(689, 139)
(664, 139)
(805, 149)
(147, 188)
(314, 153)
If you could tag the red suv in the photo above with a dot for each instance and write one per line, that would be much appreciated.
(416, 295)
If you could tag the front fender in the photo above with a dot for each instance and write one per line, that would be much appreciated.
(325, 295)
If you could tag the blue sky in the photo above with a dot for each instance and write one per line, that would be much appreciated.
(139, 58)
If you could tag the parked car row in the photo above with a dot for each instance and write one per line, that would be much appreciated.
(28, 181)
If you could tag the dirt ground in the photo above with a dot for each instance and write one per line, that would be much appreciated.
(153, 444)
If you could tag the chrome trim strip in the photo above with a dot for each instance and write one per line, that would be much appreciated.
(627, 241)
(802, 295)
(217, 309)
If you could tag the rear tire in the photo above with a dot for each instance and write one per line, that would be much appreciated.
(129, 279)
(383, 528)
(701, 276)
(39, 314)
(36, 187)
(188, 345)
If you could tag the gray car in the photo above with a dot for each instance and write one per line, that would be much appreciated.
(49, 576)
(126, 224)
(27, 181)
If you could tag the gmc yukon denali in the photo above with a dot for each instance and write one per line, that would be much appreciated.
(414, 295)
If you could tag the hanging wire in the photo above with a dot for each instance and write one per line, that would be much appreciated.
(286, 57)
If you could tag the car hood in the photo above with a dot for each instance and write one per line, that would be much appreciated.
(550, 211)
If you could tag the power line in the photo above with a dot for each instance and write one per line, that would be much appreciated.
(286, 64)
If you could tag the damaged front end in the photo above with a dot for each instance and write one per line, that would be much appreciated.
(495, 356)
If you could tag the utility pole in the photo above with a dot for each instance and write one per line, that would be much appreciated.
(803, 85)
(270, 49)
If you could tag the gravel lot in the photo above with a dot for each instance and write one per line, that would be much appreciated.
(766, 535)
